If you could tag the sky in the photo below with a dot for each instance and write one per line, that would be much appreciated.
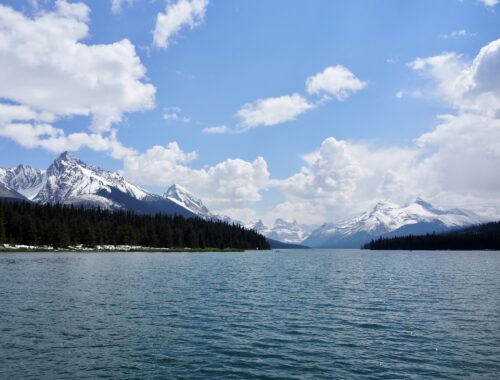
(305, 110)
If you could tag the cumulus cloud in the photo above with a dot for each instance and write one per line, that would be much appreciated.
(45, 66)
(48, 73)
(340, 178)
(469, 87)
(272, 111)
(337, 81)
(179, 15)
(233, 183)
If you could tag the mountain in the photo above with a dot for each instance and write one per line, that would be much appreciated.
(24, 179)
(184, 198)
(283, 231)
(69, 180)
(387, 219)
(7, 193)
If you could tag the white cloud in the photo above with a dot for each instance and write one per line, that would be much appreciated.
(56, 140)
(175, 114)
(231, 184)
(117, 5)
(412, 94)
(48, 73)
(183, 13)
(336, 81)
(45, 66)
(469, 87)
(15, 112)
(272, 111)
(457, 34)
(219, 129)
(490, 3)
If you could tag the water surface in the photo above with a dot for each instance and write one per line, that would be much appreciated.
(313, 314)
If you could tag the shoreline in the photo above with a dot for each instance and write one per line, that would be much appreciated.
(111, 249)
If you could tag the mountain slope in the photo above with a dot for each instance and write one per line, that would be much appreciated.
(276, 244)
(24, 179)
(389, 219)
(184, 198)
(7, 193)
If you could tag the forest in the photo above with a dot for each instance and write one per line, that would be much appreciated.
(481, 237)
(60, 226)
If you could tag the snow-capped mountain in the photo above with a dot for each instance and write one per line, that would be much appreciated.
(184, 198)
(287, 232)
(69, 180)
(387, 219)
(24, 179)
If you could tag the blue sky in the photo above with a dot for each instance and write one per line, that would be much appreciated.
(235, 53)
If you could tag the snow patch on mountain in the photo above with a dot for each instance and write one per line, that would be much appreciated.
(24, 179)
(387, 217)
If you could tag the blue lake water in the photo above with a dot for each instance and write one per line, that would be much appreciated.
(314, 314)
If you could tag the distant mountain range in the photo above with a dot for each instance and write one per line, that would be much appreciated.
(388, 220)
(287, 232)
(69, 180)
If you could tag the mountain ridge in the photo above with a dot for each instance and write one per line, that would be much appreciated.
(69, 180)
(389, 219)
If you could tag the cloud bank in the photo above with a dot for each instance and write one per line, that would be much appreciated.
(48, 74)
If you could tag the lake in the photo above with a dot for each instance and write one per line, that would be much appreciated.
(313, 314)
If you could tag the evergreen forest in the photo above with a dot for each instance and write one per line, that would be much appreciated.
(60, 226)
(481, 237)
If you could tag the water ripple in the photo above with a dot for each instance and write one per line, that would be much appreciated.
(253, 315)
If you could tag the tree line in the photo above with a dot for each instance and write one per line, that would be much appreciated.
(481, 237)
(61, 226)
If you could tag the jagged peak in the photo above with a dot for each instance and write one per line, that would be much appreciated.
(177, 189)
(67, 157)
(23, 167)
